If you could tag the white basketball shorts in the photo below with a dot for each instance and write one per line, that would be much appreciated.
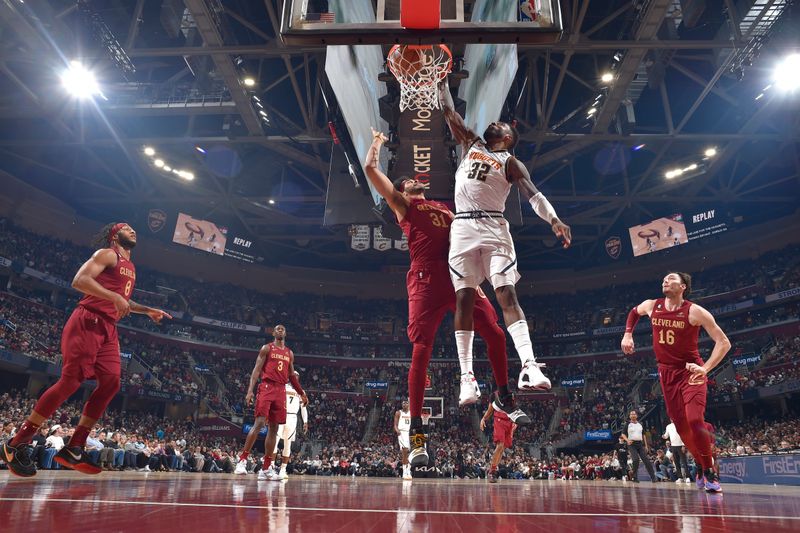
(403, 440)
(482, 248)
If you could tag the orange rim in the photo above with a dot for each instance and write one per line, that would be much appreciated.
(396, 48)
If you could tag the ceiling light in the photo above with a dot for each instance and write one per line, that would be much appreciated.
(638, 147)
(159, 163)
(249, 82)
(711, 152)
(167, 168)
(199, 149)
(607, 77)
(79, 81)
(271, 201)
(693, 166)
(149, 151)
(787, 73)
(592, 111)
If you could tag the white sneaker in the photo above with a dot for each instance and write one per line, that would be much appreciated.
(407, 476)
(470, 391)
(679, 480)
(532, 378)
(272, 475)
(241, 467)
(687, 480)
(283, 475)
(262, 475)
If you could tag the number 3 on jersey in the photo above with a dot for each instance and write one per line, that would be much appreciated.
(280, 366)
(478, 170)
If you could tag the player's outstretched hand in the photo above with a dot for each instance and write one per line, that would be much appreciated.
(563, 232)
(379, 136)
(156, 315)
(627, 344)
(696, 369)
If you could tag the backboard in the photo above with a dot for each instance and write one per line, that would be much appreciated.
(330, 22)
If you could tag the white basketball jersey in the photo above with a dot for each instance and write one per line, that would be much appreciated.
(404, 424)
(292, 400)
(481, 182)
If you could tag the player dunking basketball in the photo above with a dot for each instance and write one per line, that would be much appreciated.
(402, 425)
(275, 367)
(676, 324)
(89, 349)
(426, 223)
(480, 242)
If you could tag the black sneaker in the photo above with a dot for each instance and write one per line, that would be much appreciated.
(418, 456)
(18, 459)
(507, 406)
(75, 458)
(493, 476)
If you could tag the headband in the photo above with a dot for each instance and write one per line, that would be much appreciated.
(115, 229)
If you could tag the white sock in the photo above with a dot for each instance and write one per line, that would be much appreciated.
(283, 468)
(522, 340)
(464, 347)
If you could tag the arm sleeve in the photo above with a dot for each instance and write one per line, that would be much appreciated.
(304, 413)
(633, 318)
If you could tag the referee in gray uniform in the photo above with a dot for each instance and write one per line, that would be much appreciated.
(638, 447)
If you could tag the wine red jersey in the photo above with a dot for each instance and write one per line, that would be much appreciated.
(427, 226)
(674, 338)
(276, 367)
(119, 278)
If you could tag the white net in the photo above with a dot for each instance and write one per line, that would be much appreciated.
(419, 69)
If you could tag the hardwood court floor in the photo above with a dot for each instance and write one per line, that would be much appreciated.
(191, 503)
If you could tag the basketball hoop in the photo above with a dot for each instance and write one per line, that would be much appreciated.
(419, 69)
(426, 415)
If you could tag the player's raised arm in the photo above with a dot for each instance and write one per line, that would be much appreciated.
(85, 280)
(380, 180)
(698, 316)
(262, 357)
(517, 173)
(461, 132)
(644, 308)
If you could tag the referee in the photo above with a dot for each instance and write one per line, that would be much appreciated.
(678, 455)
(638, 447)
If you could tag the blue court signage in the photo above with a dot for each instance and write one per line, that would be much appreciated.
(377, 384)
(761, 469)
(598, 434)
(579, 381)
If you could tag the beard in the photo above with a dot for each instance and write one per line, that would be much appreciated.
(125, 243)
(492, 133)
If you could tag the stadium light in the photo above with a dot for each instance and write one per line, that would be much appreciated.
(200, 149)
(167, 168)
(80, 81)
(159, 163)
(271, 201)
(607, 77)
(711, 152)
(249, 82)
(787, 73)
(149, 151)
(592, 111)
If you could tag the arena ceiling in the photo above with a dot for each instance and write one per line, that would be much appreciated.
(688, 76)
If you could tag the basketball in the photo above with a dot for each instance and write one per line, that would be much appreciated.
(406, 61)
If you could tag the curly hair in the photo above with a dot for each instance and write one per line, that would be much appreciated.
(100, 240)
